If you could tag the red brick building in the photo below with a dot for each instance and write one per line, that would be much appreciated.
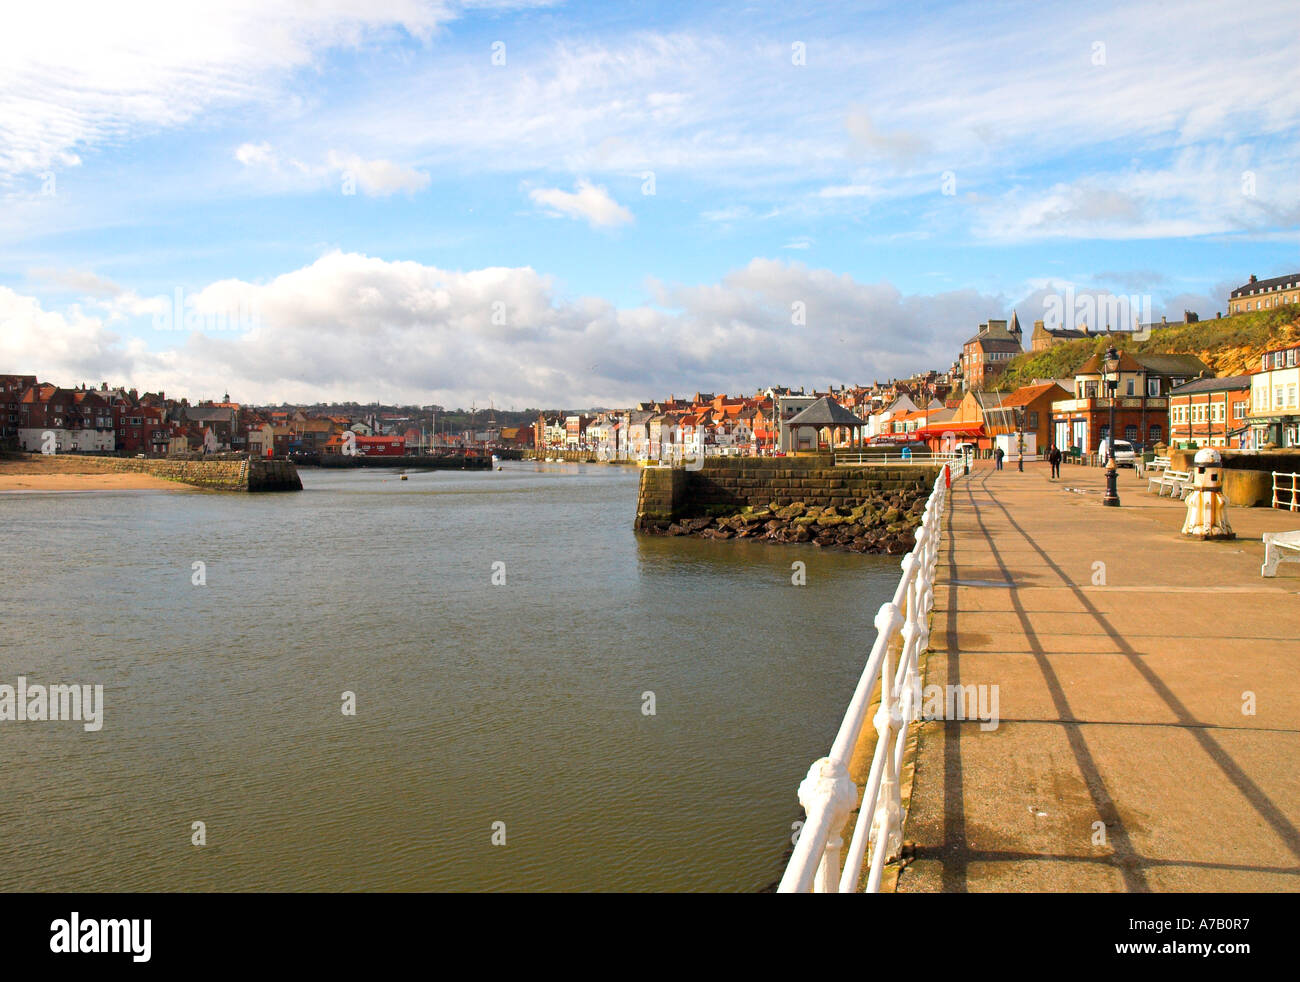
(136, 428)
(985, 356)
(12, 388)
(1141, 400)
(1210, 412)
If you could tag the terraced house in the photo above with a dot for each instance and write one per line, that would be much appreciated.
(1275, 399)
(1210, 412)
(77, 420)
(1265, 294)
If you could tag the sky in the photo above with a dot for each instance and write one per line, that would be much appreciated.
(573, 204)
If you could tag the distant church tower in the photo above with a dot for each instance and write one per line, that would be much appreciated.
(1014, 329)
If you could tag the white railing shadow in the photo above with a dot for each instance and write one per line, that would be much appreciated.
(829, 793)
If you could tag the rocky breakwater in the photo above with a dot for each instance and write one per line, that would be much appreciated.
(886, 524)
(788, 499)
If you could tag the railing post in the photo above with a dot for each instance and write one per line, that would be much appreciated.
(885, 832)
(828, 788)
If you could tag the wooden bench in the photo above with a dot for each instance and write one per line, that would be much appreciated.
(1279, 547)
(1180, 480)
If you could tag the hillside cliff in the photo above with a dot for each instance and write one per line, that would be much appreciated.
(1229, 345)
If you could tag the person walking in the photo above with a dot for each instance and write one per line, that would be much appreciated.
(1054, 458)
(997, 457)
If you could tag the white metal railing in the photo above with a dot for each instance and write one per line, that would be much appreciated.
(853, 458)
(1291, 489)
(828, 793)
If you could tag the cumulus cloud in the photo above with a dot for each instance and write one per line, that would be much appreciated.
(589, 202)
(349, 326)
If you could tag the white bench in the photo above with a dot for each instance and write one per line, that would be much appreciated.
(1157, 464)
(1279, 547)
(1180, 480)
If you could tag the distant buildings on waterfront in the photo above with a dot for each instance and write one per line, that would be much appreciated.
(1158, 398)
(40, 416)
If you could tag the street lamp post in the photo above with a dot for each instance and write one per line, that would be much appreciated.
(1110, 376)
(1020, 439)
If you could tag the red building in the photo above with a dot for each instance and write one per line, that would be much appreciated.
(136, 428)
(1141, 400)
(1210, 412)
(12, 388)
(381, 446)
(985, 356)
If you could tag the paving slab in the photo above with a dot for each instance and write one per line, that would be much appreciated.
(1148, 712)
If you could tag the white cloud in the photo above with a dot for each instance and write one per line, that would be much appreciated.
(349, 326)
(589, 202)
(75, 75)
(377, 178)
(255, 154)
(847, 191)
(79, 281)
(1201, 191)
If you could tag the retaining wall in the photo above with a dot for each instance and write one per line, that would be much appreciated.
(724, 485)
(214, 475)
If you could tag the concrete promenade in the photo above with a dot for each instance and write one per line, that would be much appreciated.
(1119, 703)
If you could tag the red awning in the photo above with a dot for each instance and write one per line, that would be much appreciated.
(958, 429)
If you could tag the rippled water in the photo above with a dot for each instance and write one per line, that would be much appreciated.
(477, 703)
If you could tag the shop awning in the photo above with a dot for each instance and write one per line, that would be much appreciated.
(956, 429)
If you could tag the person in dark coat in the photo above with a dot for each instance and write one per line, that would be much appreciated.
(997, 457)
(1054, 458)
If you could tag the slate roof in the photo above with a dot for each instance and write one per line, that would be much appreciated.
(826, 412)
(1229, 383)
(1287, 282)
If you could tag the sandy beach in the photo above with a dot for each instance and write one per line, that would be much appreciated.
(69, 473)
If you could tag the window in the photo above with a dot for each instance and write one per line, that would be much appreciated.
(1131, 433)
(1239, 410)
(1156, 432)
(1032, 421)
(1290, 358)
(1290, 394)
(1153, 386)
(1131, 384)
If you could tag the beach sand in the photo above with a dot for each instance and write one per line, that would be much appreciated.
(70, 473)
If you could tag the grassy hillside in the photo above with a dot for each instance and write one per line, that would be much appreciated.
(1229, 345)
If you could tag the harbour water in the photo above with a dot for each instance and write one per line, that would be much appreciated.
(477, 703)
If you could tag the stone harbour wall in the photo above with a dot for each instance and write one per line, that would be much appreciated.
(215, 475)
(788, 499)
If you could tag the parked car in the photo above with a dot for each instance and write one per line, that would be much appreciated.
(1124, 454)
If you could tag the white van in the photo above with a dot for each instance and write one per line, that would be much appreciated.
(1124, 453)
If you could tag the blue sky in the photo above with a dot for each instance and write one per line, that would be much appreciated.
(594, 203)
